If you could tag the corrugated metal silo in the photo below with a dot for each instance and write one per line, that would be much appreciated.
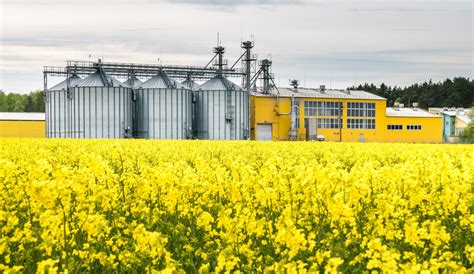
(56, 111)
(164, 109)
(221, 111)
(100, 108)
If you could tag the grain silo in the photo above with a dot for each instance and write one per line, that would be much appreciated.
(221, 110)
(56, 111)
(164, 109)
(100, 107)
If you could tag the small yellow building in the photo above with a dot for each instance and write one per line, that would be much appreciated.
(337, 115)
(413, 125)
(22, 124)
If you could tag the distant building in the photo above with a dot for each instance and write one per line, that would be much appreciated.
(338, 115)
(22, 124)
(455, 120)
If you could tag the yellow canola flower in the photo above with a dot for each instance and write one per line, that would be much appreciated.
(205, 220)
(125, 206)
(47, 266)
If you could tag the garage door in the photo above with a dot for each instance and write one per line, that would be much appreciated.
(264, 132)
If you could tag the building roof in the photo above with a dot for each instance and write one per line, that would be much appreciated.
(22, 116)
(466, 119)
(460, 113)
(73, 80)
(409, 112)
(318, 93)
(219, 83)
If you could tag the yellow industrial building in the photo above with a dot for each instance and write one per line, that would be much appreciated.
(22, 125)
(338, 115)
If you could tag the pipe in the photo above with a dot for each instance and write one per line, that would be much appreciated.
(292, 114)
(293, 119)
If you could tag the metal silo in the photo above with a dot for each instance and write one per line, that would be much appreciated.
(164, 109)
(221, 111)
(56, 111)
(100, 107)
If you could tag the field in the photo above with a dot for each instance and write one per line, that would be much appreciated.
(202, 206)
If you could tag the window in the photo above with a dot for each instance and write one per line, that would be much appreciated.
(329, 123)
(394, 127)
(361, 123)
(356, 109)
(313, 108)
(413, 127)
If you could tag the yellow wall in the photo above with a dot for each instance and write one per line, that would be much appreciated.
(25, 129)
(265, 110)
(431, 130)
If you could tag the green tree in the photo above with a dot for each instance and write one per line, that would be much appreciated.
(38, 100)
(3, 101)
(458, 92)
(14, 102)
(29, 104)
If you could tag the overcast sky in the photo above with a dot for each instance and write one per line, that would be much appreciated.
(336, 43)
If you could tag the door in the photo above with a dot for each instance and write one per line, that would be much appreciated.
(264, 132)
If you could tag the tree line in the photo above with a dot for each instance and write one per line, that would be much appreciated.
(458, 92)
(15, 102)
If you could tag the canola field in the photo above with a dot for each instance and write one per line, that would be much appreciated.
(204, 206)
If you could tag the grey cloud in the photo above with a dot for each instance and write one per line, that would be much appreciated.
(189, 2)
(234, 3)
(345, 69)
(388, 10)
(381, 60)
(320, 41)
(239, 2)
(150, 43)
(418, 51)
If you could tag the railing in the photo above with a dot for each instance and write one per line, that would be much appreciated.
(125, 70)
